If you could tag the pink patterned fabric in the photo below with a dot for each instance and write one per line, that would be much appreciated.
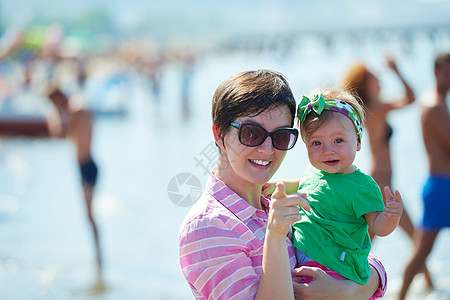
(221, 245)
(378, 294)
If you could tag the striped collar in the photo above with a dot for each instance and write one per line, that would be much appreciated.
(233, 202)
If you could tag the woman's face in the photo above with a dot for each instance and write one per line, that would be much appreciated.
(242, 165)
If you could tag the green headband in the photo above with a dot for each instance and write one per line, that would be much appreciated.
(319, 104)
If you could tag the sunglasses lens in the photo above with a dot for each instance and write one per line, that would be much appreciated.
(284, 139)
(251, 135)
(254, 135)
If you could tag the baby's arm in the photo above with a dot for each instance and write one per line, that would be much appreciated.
(291, 186)
(384, 222)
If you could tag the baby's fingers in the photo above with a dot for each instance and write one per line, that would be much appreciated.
(390, 196)
(388, 193)
(393, 209)
(397, 197)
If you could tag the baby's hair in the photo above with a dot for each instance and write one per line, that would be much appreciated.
(314, 121)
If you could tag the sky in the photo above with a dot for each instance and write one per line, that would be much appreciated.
(206, 17)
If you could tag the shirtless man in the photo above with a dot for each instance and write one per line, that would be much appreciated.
(76, 124)
(435, 120)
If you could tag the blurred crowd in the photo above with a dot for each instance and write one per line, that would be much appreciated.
(98, 66)
(95, 72)
(33, 60)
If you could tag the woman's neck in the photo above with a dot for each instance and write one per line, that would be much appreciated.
(248, 191)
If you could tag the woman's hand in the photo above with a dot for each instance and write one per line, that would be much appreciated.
(324, 286)
(284, 210)
(391, 63)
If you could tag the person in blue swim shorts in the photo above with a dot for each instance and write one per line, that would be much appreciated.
(435, 121)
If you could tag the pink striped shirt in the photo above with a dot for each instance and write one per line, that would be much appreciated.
(221, 245)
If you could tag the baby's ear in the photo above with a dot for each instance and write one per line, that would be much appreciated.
(358, 145)
(217, 136)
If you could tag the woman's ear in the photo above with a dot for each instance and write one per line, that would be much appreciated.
(217, 136)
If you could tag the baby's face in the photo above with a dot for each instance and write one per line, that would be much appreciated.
(332, 147)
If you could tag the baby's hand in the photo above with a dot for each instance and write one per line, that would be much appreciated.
(268, 188)
(394, 204)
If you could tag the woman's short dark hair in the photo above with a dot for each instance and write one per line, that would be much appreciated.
(249, 94)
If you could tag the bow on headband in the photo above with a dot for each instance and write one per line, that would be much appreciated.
(319, 104)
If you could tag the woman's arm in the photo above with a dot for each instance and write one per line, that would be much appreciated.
(324, 286)
(276, 277)
(214, 253)
(409, 94)
(214, 259)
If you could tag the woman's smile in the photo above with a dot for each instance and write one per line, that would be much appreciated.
(260, 163)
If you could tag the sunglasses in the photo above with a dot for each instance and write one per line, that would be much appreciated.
(253, 135)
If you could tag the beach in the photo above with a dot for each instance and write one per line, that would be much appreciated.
(46, 246)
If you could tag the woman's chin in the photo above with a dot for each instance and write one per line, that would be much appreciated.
(261, 178)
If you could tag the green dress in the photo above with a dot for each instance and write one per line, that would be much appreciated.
(334, 232)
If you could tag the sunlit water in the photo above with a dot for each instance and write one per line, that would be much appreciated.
(46, 249)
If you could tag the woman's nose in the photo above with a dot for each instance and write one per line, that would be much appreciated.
(266, 147)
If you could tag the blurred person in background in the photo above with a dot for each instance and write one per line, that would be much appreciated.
(75, 123)
(435, 121)
(362, 82)
(188, 60)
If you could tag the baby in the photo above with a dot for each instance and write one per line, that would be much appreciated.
(344, 201)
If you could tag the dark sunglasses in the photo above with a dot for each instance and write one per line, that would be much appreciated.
(253, 135)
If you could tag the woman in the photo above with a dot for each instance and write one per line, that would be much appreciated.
(366, 85)
(233, 243)
(362, 82)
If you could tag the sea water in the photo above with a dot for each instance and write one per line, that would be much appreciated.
(46, 246)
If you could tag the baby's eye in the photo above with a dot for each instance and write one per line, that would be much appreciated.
(337, 141)
(316, 143)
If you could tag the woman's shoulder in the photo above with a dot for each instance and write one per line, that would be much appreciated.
(208, 225)
(206, 214)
